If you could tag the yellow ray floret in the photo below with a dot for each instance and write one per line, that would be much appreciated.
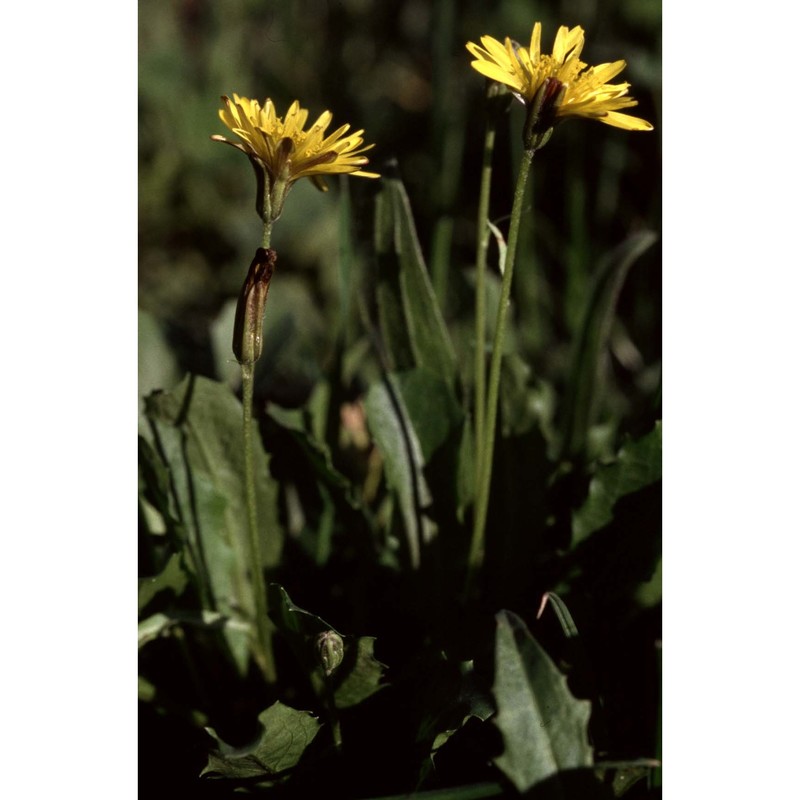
(286, 150)
(586, 90)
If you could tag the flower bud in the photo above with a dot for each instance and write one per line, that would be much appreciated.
(542, 114)
(248, 325)
(330, 650)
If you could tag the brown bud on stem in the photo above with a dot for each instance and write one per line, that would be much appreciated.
(247, 327)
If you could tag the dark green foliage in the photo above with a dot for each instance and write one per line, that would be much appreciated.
(544, 728)
(388, 680)
(286, 734)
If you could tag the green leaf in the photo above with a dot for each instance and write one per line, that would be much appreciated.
(154, 488)
(544, 728)
(147, 691)
(197, 430)
(295, 622)
(360, 673)
(648, 593)
(161, 624)
(638, 465)
(592, 339)
(413, 328)
(431, 407)
(285, 736)
(173, 578)
(526, 404)
(394, 434)
(627, 776)
(444, 435)
(358, 676)
(316, 452)
(199, 427)
(451, 697)
(153, 627)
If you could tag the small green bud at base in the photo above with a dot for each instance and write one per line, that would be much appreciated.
(330, 650)
(249, 321)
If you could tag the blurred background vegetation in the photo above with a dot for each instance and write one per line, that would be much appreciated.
(399, 70)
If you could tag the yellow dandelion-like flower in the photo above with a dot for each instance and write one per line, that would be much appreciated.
(560, 85)
(282, 151)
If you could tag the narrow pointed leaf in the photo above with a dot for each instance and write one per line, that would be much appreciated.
(592, 339)
(562, 614)
(397, 440)
(414, 329)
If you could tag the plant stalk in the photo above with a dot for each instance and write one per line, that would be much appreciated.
(262, 650)
(485, 479)
(261, 635)
(482, 238)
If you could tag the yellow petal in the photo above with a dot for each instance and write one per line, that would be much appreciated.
(536, 42)
(603, 73)
(495, 50)
(626, 122)
(574, 42)
(560, 44)
(496, 74)
(585, 91)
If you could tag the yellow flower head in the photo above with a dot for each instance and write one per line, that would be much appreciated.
(560, 85)
(285, 152)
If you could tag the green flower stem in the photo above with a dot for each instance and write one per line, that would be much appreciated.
(485, 479)
(480, 294)
(262, 645)
(262, 650)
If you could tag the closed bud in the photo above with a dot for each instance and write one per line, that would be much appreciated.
(330, 650)
(249, 322)
(542, 114)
